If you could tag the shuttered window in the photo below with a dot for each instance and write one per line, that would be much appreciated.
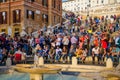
(3, 30)
(45, 3)
(3, 17)
(32, 0)
(30, 14)
(19, 19)
(27, 14)
(54, 3)
(3, 1)
(16, 16)
(33, 15)
(0, 17)
(47, 18)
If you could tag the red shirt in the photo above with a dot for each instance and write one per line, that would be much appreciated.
(96, 42)
(104, 44)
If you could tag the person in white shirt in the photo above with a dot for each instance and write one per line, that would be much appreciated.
(65, 41)
(95, 53)
(18, 51)
(58, 40)
(58, 53)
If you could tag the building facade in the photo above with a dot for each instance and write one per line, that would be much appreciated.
(75, 5)
(30, 15)
(93, 7)
(68, 5)
(105, 8)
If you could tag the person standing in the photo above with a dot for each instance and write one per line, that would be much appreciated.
(74, 41)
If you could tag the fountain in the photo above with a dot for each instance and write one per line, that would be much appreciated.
(26, 68)
(37, 70)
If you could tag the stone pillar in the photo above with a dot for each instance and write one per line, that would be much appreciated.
(74, 61)
(8, 62)
(41, 61)
(68, 59)
(49, 12)
(109, 63)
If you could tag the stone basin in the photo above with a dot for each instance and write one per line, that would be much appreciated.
(25, 68)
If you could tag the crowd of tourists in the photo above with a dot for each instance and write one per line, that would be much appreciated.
(98, 37)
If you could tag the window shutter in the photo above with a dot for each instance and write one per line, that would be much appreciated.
(43, 2)
(14, 16)
(54, 3)
(47, 18)
(0, 17)
(5, 18)
(33, 15)
(19, 16)
(42, 17)
(27, 15)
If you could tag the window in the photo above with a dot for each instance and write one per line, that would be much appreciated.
(45, 18)
(3, 1)
(33, 15)
(3, 17)
(54, 3)
(16, 29)
(27, 0)
(30, 14)
(59, 7)
(54, 19)
(32, 0)
(16, 16)
(45, 3)
(3, 30)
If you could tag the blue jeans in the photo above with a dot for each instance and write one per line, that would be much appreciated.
(57, 57)
(98, 58)
(71, 55)
(111, 57)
